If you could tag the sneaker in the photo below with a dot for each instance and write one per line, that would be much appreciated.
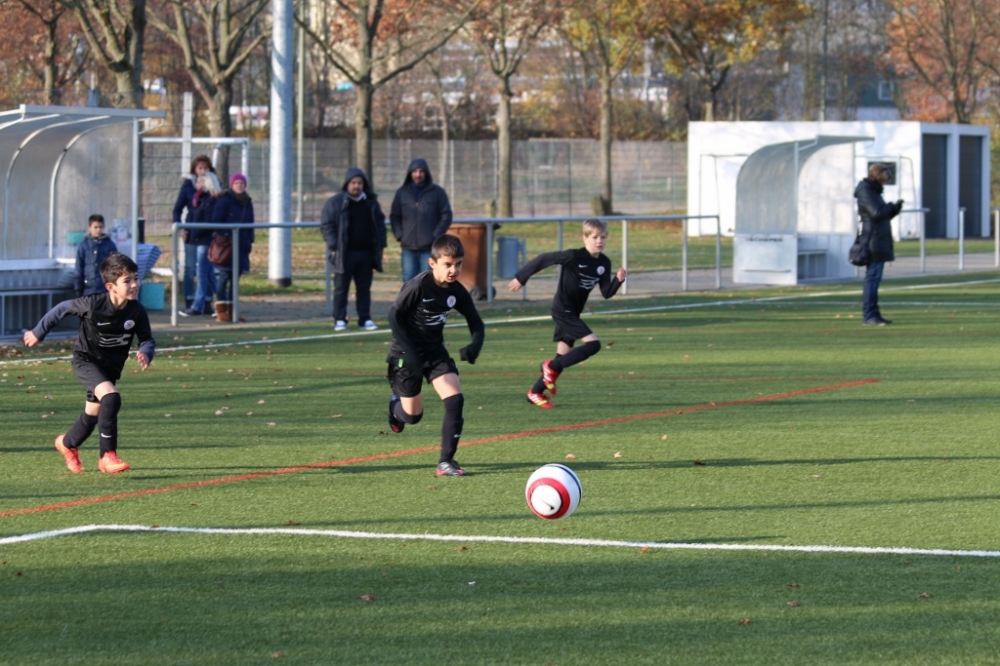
(369, 325)
(72, 456)
(450, 468)
(549, 376)
(190, 312)
(876, 322)
(540, 400)
(340, 325)
(110, 463)
(209, 310)
(394, 424)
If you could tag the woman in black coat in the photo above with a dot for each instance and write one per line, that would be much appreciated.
(876, 231)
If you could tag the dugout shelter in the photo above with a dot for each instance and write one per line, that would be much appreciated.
(785, 190)
(59, 165)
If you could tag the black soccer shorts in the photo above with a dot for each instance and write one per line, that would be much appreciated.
(569, 329)
(405, 380)
(91, 375)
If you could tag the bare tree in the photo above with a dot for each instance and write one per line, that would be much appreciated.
(609, 32)
(371, 42)
(115, 30)
(503, 31)
(216, 37)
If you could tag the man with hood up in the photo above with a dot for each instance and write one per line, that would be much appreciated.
(420, 213)
(353, 227)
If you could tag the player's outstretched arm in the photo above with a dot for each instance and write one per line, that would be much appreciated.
(52, 318)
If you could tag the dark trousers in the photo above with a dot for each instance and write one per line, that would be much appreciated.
(358, 266)
(869, 300)
(223, 285)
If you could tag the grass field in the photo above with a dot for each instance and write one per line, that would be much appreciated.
(755, 420)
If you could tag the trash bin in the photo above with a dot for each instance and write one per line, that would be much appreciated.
(508, 251)
(473, 237)
(152, 295)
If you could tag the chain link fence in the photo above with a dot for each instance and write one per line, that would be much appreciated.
(551, 176)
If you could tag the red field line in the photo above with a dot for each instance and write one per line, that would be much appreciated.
(428, 449)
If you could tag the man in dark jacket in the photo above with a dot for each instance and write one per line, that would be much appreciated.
(420, 213)
(353, 227)
(876, 229)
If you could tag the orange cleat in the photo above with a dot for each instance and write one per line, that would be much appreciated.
(110, 463)
(540, 400)
(549, 376)
(72, 456)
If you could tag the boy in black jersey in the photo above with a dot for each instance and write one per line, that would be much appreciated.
(108, 323)
(582, 270)
(417, 319)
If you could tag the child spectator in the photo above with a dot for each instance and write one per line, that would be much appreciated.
(95, 247)
(234, 207)
(108, 323)
(417, 352)
(582, 270)
(353, 227)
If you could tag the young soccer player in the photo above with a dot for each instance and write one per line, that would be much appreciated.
(417, 319)
(108, 323)
(582, 270)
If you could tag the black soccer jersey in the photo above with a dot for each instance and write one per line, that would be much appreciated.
(106, 332)
(580, 274)
(419, 314)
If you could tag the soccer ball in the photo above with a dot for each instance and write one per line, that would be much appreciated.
(553, 491)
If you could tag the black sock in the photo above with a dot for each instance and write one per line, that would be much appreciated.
(540, 384)
(107, 422)
(451, 429)
(576, 355)
(401, 414)
(80, 431)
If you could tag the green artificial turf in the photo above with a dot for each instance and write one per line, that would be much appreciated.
(751, 422)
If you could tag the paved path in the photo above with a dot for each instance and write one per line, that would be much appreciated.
(294, 307)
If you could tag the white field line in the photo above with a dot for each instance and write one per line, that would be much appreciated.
(519, 320)
(862, 550)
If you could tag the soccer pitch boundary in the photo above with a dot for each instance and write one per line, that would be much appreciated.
(605, 543)
(601, 313)
(426, 449)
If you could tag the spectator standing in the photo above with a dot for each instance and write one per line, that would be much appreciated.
(876, 229)
(95, 247)
(353, 227)
(208, 192)
(420, 213)
(234, 207)
(200, 165)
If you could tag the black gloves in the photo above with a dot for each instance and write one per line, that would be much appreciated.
(469, 354)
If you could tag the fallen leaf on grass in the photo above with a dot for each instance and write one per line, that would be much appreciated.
(610, 344)
(644, 550)
(664, 438)
(292, 522)
(277, 655)
(745, 620)
(792, 585)
(618, 454)
(367, 597)
(925, 595)
(793, 603)
(460, 548)
(271, 423)
(570, 456)
(699, 463)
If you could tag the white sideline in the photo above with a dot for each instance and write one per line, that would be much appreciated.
(862, 550)
(518, 320)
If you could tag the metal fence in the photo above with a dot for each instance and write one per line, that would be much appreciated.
(551, 177)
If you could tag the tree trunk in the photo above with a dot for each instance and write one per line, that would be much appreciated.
(49, 68)
(709, 112)
(505, 207)
(445, 140)
(220, 124)
(606, 137)
(363, 130)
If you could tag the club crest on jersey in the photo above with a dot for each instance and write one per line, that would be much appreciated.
(600, 270)
(129, 325)
(451, 301)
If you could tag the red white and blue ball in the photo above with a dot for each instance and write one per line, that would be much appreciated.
(553, 491)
